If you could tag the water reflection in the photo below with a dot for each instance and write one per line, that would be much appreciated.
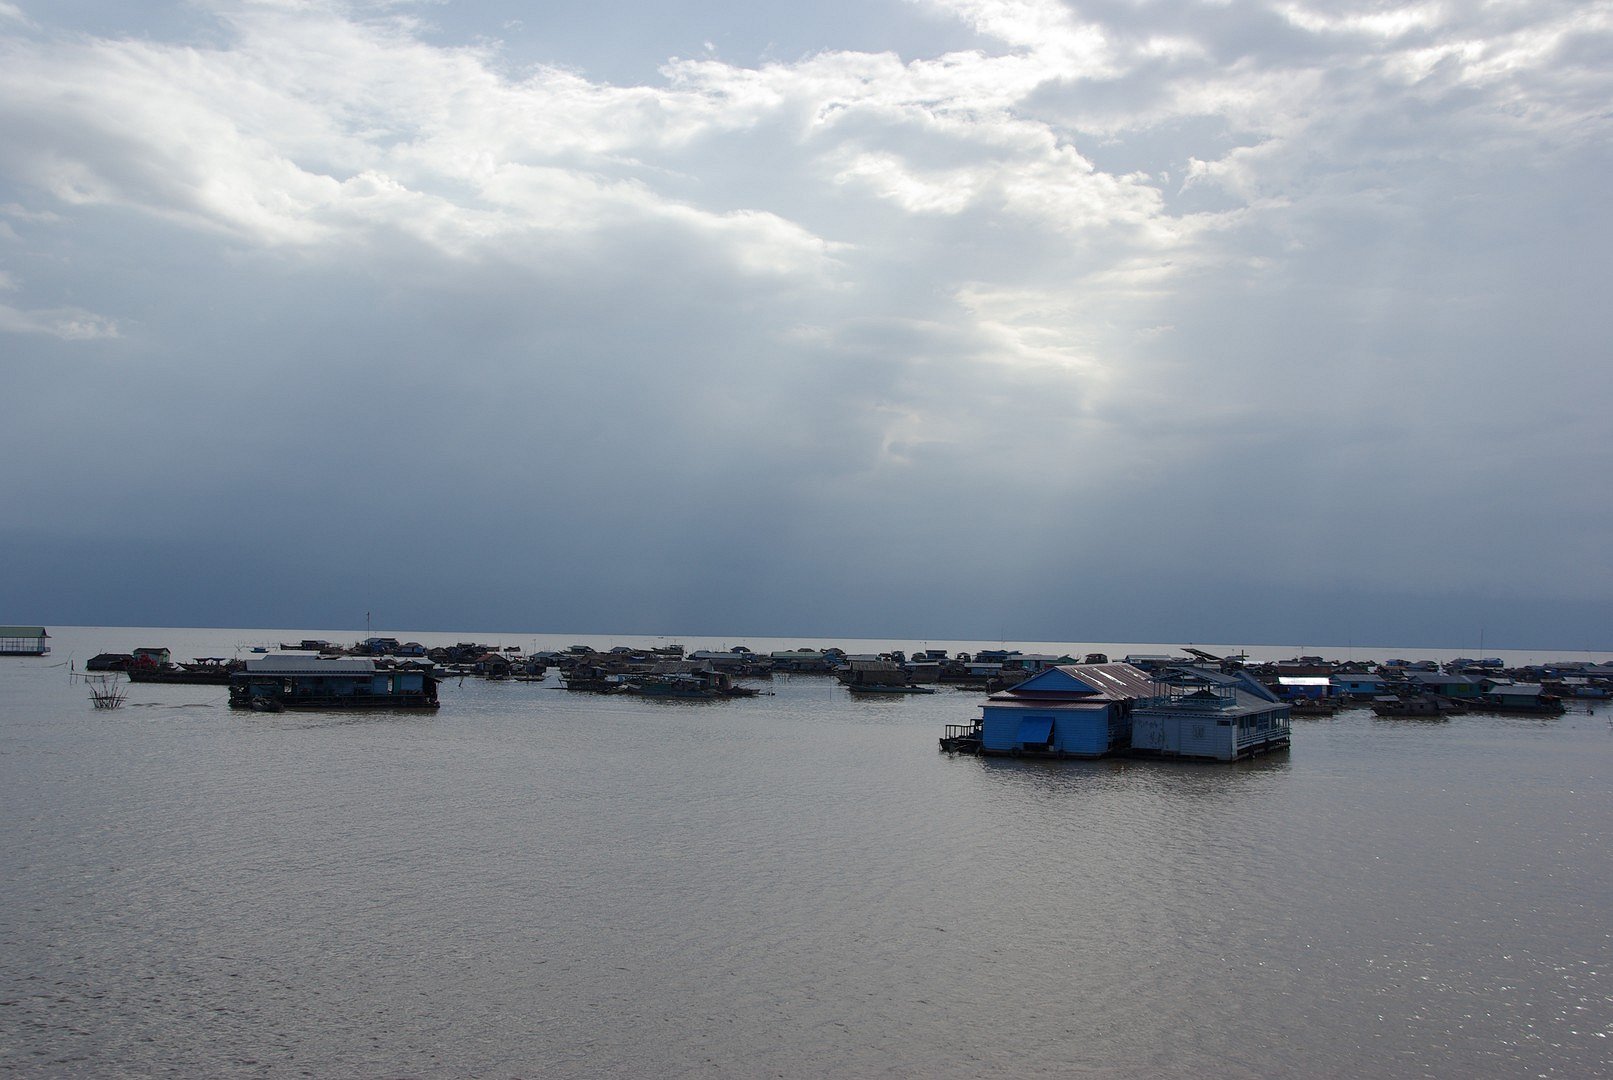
(532, 880)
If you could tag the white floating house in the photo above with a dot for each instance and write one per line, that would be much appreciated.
(1075, 710)
(1194, 713)
(23, 641)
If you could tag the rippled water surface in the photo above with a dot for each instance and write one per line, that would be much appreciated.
(536, 883)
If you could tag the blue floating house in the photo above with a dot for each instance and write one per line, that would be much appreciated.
(1075, 710)
(1361, 686)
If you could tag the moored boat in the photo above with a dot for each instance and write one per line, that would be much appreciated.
(1417, 706)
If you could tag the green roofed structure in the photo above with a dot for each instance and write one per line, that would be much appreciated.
(23, 641)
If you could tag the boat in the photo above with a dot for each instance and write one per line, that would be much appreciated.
(1519, 699)
(319, 683)
(962, 738)
(691, 685)
(202, 671)
(588, 679)
(1417, 706)
(108, 661)
(889, 688)
(879, 677)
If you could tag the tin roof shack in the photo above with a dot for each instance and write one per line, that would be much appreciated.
(1206, 714)
(23, 641)
(299, 681)
(863, 671)
(1359, 686)
(801, 661)
(1518, 698)
(1077, 710)
(1313, 687)
(493, 665)
(1465, 687)
(148, 657)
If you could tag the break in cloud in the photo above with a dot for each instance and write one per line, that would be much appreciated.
(1226, 321)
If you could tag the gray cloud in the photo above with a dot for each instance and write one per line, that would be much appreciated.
(973, 320)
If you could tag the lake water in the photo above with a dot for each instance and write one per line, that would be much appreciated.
(532, 883)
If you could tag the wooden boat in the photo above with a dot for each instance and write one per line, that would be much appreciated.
(203, 671)
(888, 688)
(1418, 706)
(693, 685)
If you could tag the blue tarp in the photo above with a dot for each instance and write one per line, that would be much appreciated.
(1035, 730)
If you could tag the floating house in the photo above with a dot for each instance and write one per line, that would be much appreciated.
(1194, 713)
(1518, 698)
(1451, 686)
(308, 682)
(1314, 687)
(802, 661)
(1358, 685)
(150, 657)
(23, 641)
(1076, 710)
(109, 661)
(493, 665)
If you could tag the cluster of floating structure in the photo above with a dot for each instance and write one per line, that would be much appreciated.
(1192, 704)
(1096, 710)
(1424, 688)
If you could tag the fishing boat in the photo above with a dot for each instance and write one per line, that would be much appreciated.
(892, 688)
(1417, 706)
(879, 677)
(691, 685)
(202, 671)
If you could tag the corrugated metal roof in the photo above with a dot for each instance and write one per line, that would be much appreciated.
(874, 665)
(1112, 682)
(1118, 682)
(1428, 678)
(299, 664)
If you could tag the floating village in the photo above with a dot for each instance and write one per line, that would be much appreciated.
(1188, 705)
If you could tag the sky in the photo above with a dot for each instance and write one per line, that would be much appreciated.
(1133, 320)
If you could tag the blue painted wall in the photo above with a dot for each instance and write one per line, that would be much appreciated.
(1082, 733)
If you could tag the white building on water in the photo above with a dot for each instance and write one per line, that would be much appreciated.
(1197, 713)
(23, 641)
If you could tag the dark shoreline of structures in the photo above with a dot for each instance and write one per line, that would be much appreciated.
(1310, 683)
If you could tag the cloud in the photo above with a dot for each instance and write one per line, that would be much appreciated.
(69, 324)
(1159, 293)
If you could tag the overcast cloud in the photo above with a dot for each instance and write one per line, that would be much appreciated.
(1201, 321)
